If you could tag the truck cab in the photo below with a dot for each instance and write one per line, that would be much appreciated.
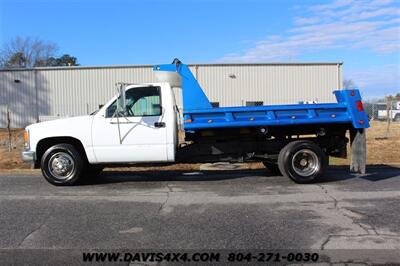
(145, 131)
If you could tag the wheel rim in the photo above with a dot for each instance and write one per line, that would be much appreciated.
(61, 166)
(305, 162)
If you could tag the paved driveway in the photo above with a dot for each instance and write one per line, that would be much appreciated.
(244, 209)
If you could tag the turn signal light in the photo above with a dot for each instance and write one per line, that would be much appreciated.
(26, 139)
(360, 106)
(188, 121)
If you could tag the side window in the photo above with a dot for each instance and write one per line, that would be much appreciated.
(144, 101)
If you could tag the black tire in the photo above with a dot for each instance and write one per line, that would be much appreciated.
(302, 161)
(272, 167)
(397, 118)
(71, 161)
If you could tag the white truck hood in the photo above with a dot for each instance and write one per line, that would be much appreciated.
(61, 124)
(76, 127)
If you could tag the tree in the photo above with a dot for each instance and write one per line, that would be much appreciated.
(348, 84)
(16, 59)
(64, 60)
(27, 52)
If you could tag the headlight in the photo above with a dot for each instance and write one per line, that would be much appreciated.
(26, 139)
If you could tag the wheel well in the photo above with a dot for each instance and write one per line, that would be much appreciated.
(46, 143)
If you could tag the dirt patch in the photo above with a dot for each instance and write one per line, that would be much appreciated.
(12, 159)
(382, 148)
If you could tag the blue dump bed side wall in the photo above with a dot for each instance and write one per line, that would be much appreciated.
(347, 110)
(198, 113)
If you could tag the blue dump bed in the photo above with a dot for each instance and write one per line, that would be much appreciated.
(199, 114)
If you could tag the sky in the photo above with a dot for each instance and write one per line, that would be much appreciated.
(364, 35)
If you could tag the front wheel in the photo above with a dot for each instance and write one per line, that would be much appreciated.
(303, 161)
(62, 165)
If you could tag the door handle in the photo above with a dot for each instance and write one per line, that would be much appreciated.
(159, 124)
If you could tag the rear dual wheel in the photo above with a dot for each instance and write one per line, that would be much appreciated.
(303, 161)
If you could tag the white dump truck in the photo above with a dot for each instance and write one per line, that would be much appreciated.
(140, 125)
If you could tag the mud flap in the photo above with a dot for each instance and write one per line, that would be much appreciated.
(358, 150)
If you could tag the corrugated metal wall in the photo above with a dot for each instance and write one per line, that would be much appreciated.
(272, 84)
(80, 91)
(44, 92)
(17, 92)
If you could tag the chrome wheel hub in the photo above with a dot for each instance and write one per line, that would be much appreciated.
(305, 162)
(61, 165)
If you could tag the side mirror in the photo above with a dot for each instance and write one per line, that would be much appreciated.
(121, 98)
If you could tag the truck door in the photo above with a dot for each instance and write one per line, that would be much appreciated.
(141, 136)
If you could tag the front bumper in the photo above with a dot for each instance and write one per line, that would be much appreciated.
(28, 156)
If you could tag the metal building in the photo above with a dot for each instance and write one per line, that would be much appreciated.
(44, 93)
